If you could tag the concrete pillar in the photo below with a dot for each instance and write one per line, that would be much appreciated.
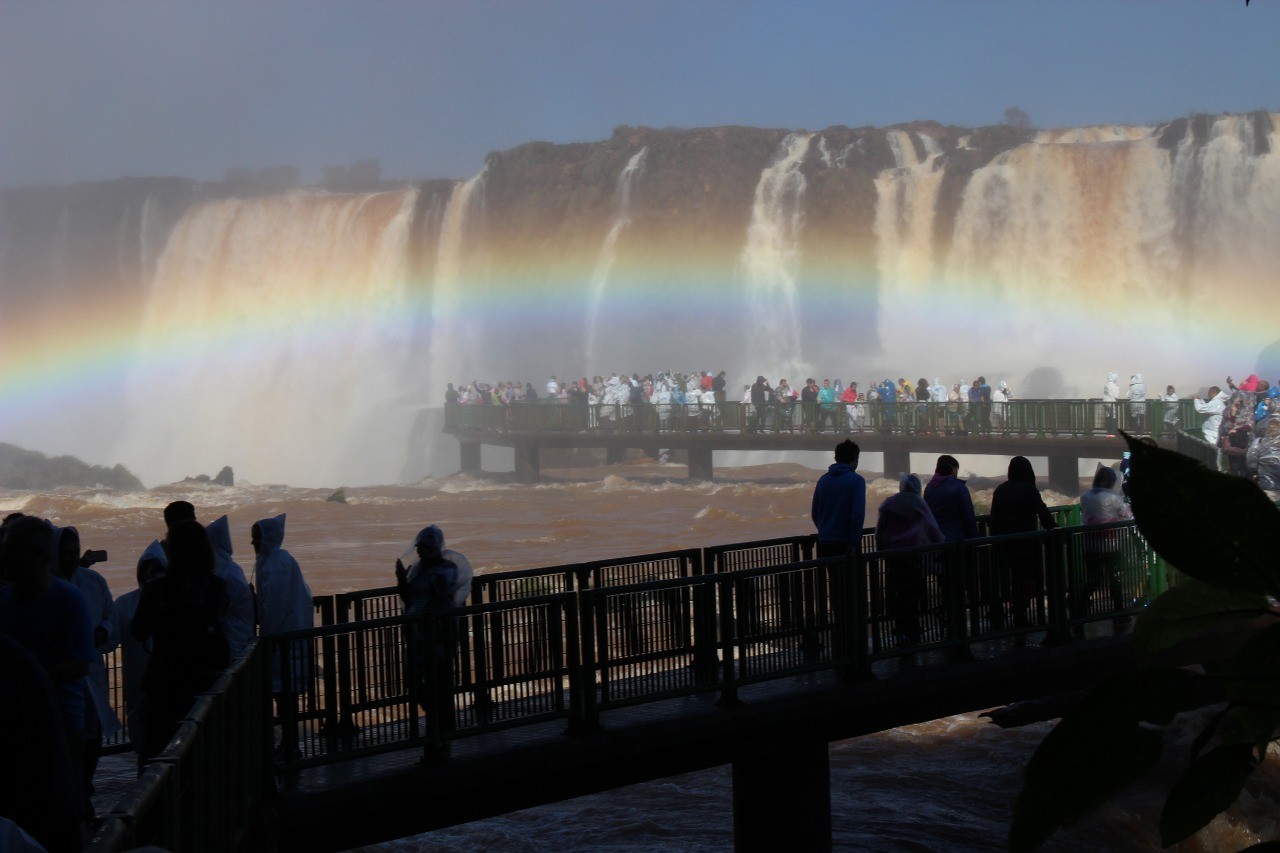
(782, 797)
(613, 454)
(470, 456)
(700, 467)
(1064, 473)
(897, 461)
(527, 464)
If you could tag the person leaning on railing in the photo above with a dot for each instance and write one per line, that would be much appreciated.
(1102, 552)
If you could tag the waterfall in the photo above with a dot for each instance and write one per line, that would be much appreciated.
(273, 340)
(770, 264)
(1106, 234)
(455, 341)
(608, 253)
(907, 197)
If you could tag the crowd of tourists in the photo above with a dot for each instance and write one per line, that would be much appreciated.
(1013, 584)
(192, 614)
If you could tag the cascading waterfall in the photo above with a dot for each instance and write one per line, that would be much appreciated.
(907, 199)
(274, 340)
(301, 337)
(1139, 244)
(609, 254)
(455, 341)
(770, 263)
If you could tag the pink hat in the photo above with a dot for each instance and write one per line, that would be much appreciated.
(1250, 384)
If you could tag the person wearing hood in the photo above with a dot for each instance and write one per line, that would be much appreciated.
(1234, 433)
(948, 497)
(1110, 391)
(181, 614)
(49, 618)
(1263, 457)
(905, 521)
(1212, 409)
(1268, 397)
(761, 395)
(135, 655)
(1102, 504)
(1017, 507)
(438, 581)
(284, 604)
(839, 504)
(100, 718)
(239, 622)
(1169, 423)
(1137, 403)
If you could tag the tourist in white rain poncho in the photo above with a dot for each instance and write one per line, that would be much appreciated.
(1138, 402)
(238, 626)
(284, 602)
(1213, 409)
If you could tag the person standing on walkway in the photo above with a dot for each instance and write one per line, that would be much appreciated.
(438, 581)
(840, 504)
(948, 497)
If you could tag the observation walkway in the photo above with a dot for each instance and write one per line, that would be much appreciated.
(1064, 431)
(579, 678)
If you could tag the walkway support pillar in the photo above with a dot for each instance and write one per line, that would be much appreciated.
(700, 468)
(527, 464)
(614, 453)
(470, 456)
(782, 796)
(897, 461)
(1064, 474)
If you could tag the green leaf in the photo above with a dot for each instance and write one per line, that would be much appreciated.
(1102, 745)
(1206, 788)
(1253, 676)
(1217, 528)
(1251, 725)
(1190, 610)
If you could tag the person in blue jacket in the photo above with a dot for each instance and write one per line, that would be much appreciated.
(840, 503)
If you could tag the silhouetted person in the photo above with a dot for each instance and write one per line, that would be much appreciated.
(438, 581)
(240, 619)
(948, 497)
(839, 504)
(284, 604)
(905, 521)
(99, 718)
(49, 619)
(134, 654)
(39, 789)
(181, 614)
(1017, 507)
(1102, 552)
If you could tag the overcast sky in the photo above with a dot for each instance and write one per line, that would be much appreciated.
(111, 88)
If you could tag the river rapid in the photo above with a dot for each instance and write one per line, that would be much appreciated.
(948, 784)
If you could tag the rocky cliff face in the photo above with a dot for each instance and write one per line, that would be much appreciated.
(1045, 258)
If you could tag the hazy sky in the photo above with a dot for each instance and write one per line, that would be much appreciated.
(110, 88)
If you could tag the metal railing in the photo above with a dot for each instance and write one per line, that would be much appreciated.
(758, 611)
(202, 792)
(1018, 417)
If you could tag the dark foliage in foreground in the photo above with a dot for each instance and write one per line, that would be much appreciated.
(1220, 531)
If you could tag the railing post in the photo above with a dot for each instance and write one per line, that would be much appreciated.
(588, 717)
(726, 588)
(1056, 573)
(960, 579)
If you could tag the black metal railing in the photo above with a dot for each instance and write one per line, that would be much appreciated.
(638, 630)
(202, 792)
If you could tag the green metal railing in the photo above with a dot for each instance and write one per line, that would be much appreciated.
(1019, 417)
